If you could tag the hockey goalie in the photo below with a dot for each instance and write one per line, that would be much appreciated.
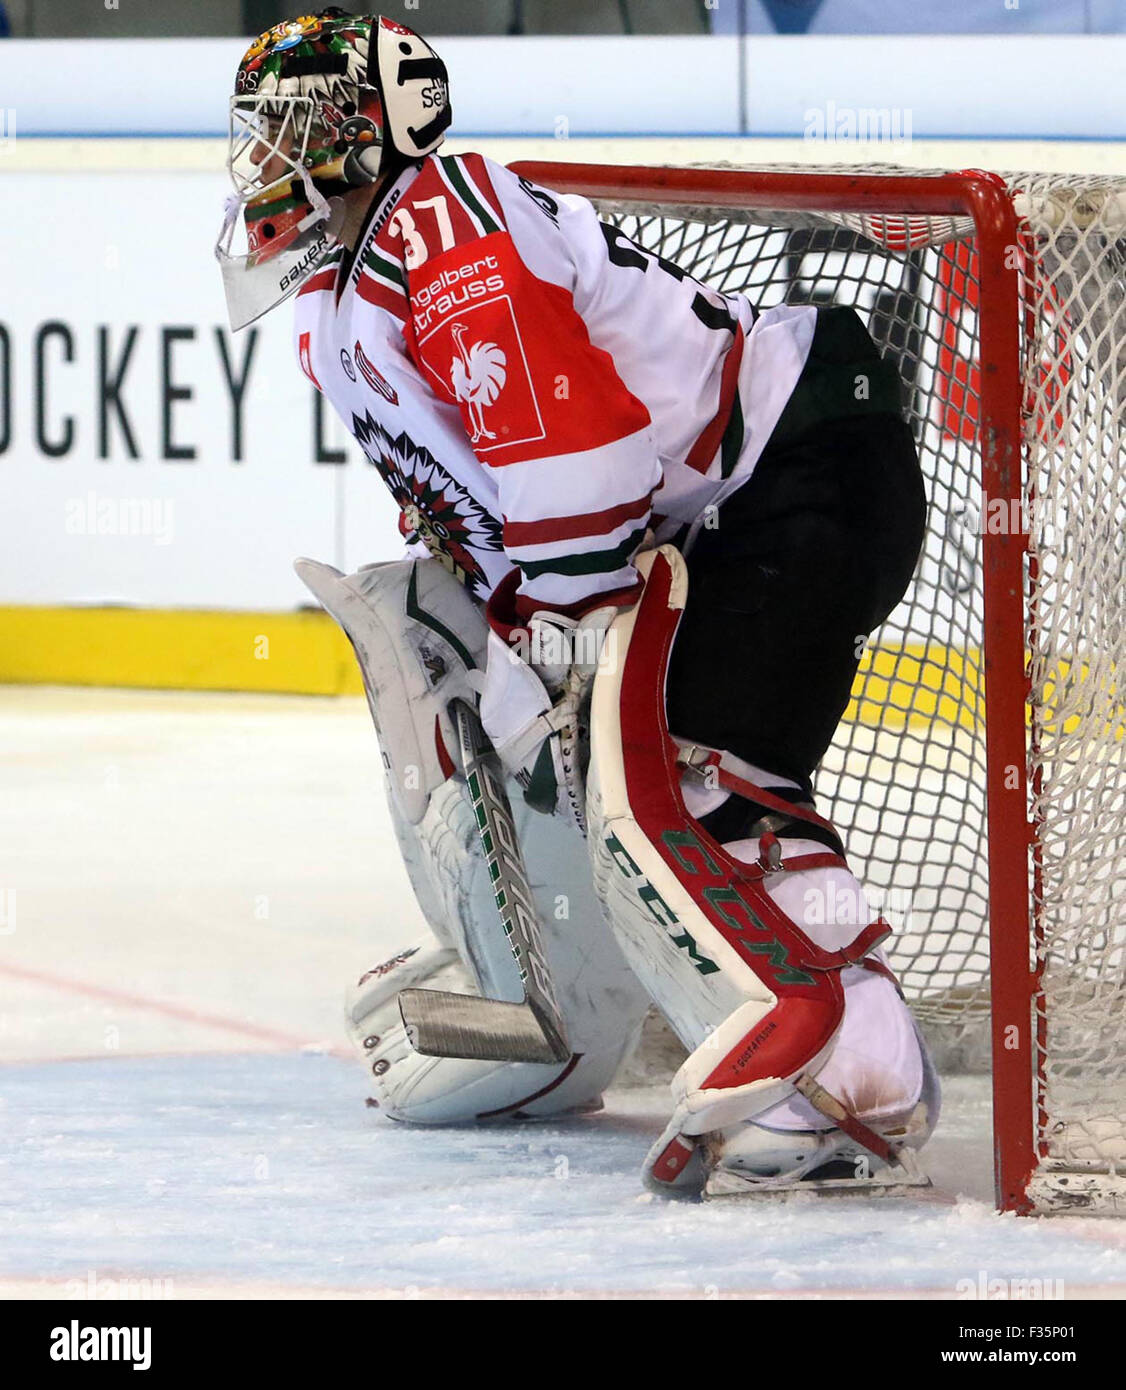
(648, 529)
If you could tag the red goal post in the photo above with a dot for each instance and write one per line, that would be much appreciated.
(970, 246)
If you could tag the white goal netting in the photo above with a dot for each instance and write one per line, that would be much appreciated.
(906, 778)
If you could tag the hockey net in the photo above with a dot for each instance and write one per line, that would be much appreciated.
(994, 842)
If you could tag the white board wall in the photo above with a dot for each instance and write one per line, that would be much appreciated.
(1023, 85)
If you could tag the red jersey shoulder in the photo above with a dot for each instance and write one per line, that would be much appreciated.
(451, 204)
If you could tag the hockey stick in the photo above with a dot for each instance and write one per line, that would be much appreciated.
(441, 1024)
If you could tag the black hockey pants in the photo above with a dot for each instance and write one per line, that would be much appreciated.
(807, 559)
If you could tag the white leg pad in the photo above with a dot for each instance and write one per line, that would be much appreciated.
(420, 641)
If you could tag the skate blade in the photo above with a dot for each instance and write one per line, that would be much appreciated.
(899, 1181)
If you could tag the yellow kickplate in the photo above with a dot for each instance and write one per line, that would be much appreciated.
(305, 653)
(300, 653)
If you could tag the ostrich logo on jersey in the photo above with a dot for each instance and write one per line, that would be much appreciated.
(434, 505)
(477, 375)
(477, 356)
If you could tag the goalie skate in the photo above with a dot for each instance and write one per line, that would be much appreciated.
(771, 1160)
(760, 1162)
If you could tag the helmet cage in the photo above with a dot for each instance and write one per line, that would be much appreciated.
(263, 130)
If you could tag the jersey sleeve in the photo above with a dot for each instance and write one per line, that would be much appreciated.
(494, 327)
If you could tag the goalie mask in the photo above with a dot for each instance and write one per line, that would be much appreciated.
(323, 104)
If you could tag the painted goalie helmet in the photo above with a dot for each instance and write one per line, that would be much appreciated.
(323, 104)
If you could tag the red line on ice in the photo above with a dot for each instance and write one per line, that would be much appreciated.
(160, 1006)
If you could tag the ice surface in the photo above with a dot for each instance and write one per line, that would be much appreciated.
(193, 880)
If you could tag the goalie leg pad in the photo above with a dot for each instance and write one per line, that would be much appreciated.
(602, 1002)
(420, 641)
(757, 998)
(726, 964)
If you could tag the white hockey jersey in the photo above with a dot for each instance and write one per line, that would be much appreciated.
(534, 388)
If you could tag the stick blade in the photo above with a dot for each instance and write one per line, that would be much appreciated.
(440, 1024)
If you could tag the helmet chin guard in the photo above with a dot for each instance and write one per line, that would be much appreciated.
(254, 285)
